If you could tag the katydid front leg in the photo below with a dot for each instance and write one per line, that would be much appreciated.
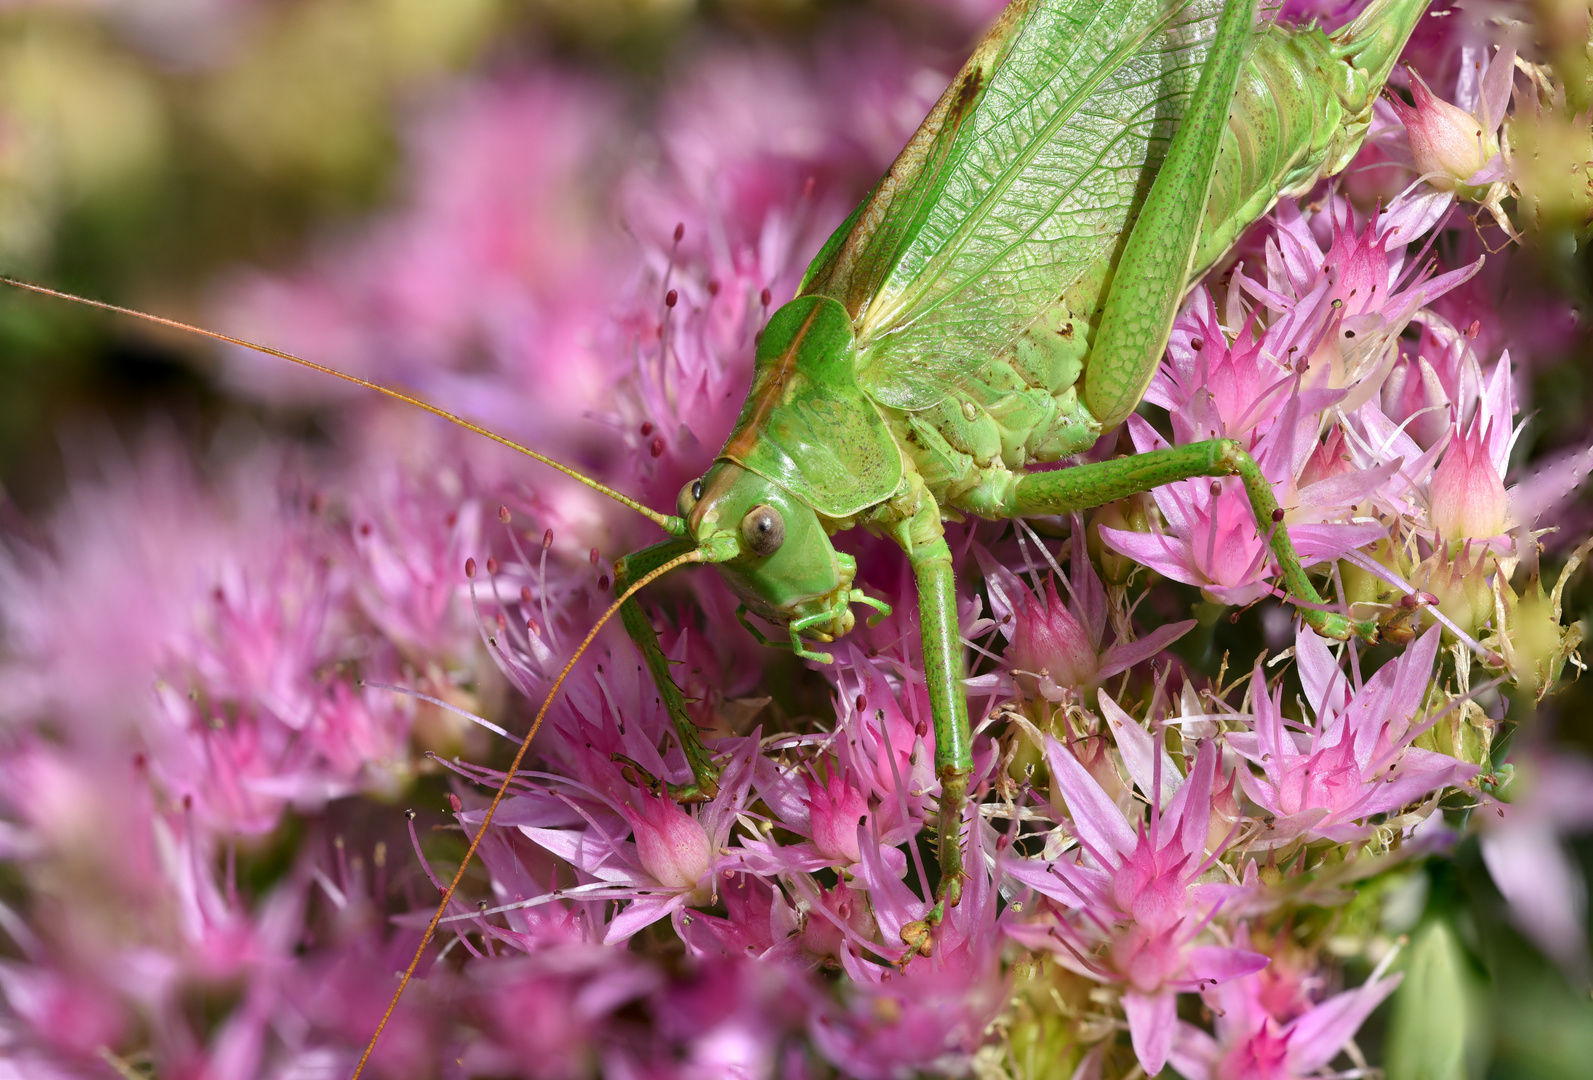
(705, 774)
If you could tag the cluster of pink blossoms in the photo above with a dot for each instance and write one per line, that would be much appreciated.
(225, 681)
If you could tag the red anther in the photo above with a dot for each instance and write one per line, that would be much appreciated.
(470, 568)
(713, 286)
(921, 729)
(647, 428)
(862, 703)
(531, 625)
(594, 556)
(492, 565)
(454, 803)
(1277, 513)
(503, 624)
(671, 298)
(452, 519)
(365, 528)
(525, 594)
(657, 449)
(547, 539)
(1216, 488)
(1197, 344)
(602, 583)
(504, 515)
(1474, 329)
(764, 297)
(680, 231)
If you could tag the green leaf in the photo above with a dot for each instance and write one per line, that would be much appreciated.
(1438, 1031)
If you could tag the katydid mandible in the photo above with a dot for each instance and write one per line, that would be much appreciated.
(1001, 298)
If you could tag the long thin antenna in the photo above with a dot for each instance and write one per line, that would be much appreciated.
(492, 808)
(673, 525)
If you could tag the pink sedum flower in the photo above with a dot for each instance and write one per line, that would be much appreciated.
(1323, 780)
(1524, 848)
(1130, 901)
(1055, 645)
(671, 846)
(1253, 1044)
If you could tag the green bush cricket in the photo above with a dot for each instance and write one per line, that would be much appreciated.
(985, 308)
(1001, 298)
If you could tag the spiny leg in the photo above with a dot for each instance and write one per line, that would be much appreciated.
(924, 540)
(1085, 486)
(705, 774)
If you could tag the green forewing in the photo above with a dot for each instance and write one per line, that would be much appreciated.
(806, 424)
(1061, 110)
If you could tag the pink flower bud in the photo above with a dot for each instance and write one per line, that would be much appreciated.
(671, 845)
(834, 810)
(1448, 143)
(1414, 395)
(1467, 496)
(1331, 458)
(1049, 641)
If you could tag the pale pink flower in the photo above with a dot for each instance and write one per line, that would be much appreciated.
(1468, 497)
(931, 1013)
(674, 858)
(1252, 1043)
(1127, 906)
(1452, 148)
(1523, 847)
(1054, 645)
(1324, 779)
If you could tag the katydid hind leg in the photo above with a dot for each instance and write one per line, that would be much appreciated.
(1148, 283)
(705, 774)
(1086, 486)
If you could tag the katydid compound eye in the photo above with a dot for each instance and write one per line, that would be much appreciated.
(763, 529)
(689, 496)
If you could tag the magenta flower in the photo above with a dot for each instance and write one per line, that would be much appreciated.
(1126, 906)
(1055, 646)
(1211, 538)
(1253, 1044)
(1322, 780)
(673, 859)
(932, 1013)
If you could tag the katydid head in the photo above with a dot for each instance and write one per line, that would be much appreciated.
(772, 549)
